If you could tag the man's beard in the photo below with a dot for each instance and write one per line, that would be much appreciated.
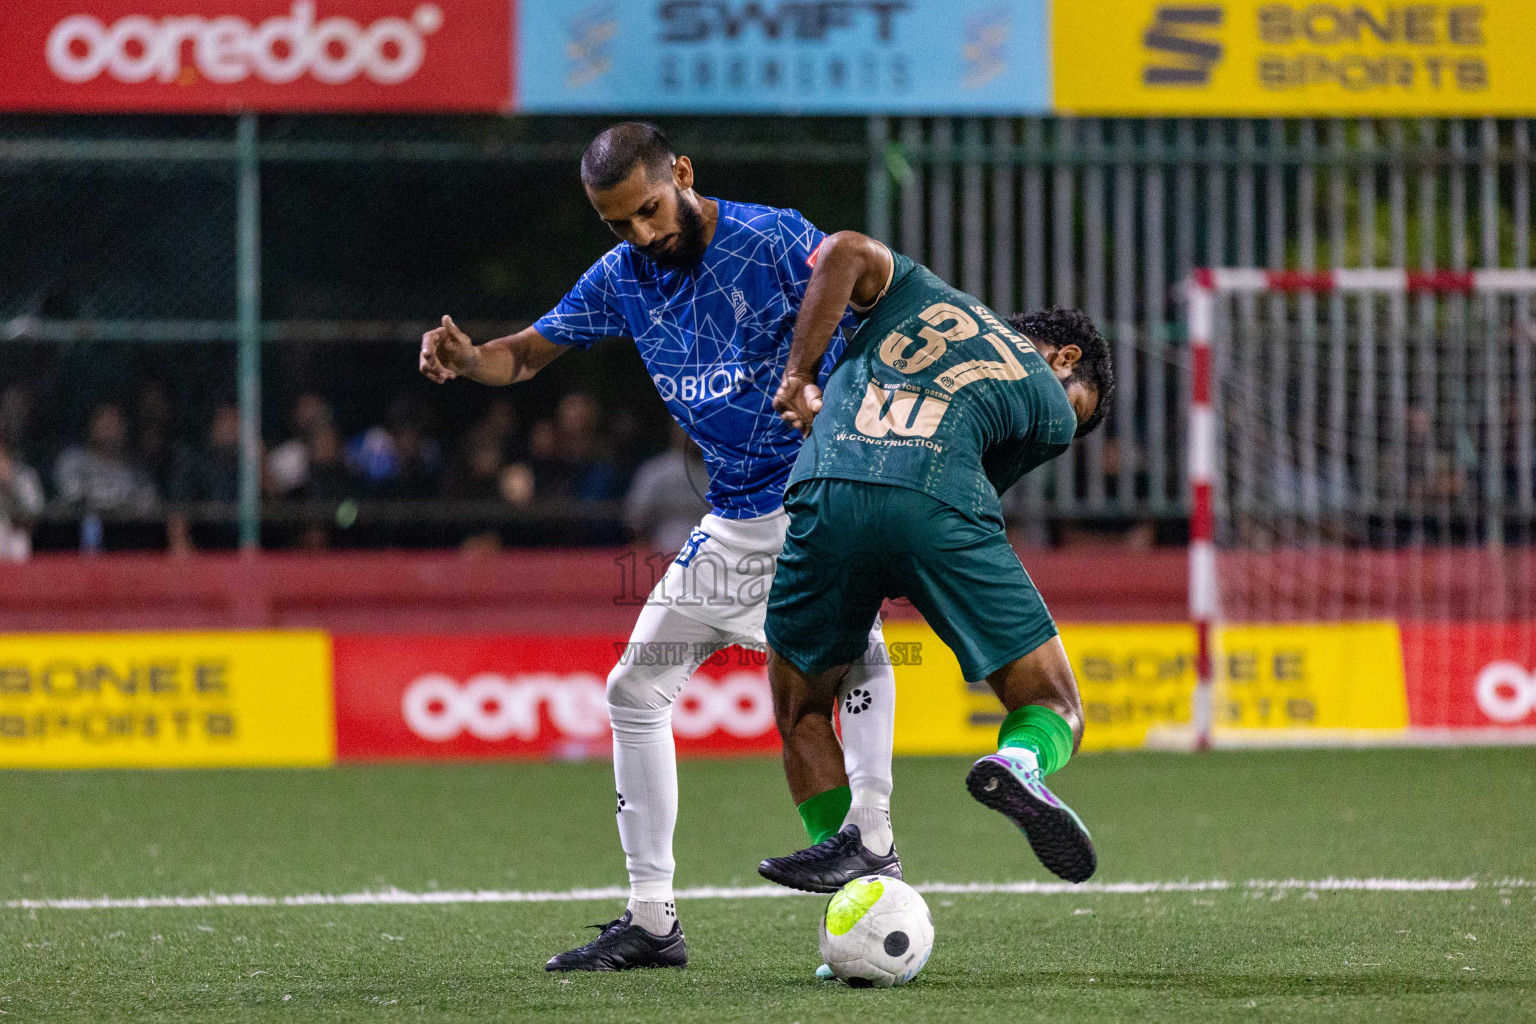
(690, 245)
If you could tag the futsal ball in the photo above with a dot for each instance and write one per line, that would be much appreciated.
(876, 932)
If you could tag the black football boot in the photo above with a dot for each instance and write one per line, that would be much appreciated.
(831, 863)
(622, 945)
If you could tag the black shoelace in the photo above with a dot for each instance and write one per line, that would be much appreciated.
(604, 930)
(839, 843)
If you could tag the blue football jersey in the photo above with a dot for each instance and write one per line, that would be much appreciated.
(714, 338)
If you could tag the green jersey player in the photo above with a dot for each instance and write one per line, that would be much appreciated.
(936, 407)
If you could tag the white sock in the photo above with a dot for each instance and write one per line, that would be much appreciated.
(874, 827)
(640, 696)
(645, 773)
(1023, 755)
(866, 714)
(656, 918)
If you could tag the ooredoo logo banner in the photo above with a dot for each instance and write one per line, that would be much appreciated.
(220, 55)
(529, 696)
(1471, 674)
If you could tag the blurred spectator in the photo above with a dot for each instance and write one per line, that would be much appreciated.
(326, 477)
(21, 500)
(16, 419)
(288, 463)
(544, 457)
(482, 470)
(97, 475)
(498, 423)
(569, 458)
(666, 499)
(326, 480)
(398, 459)
(155, 447)
(211, 473)
(475, 470)
(624, 442)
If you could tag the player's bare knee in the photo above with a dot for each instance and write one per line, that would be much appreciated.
(796, 695)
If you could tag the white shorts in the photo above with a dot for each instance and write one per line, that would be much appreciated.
(722, 575)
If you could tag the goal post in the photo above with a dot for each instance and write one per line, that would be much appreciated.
(1360, 463)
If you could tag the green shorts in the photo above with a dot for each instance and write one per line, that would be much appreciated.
(852, 544)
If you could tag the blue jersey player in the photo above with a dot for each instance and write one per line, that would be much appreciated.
(709, 290)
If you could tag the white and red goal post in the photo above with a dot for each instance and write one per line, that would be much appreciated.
(1362, 553)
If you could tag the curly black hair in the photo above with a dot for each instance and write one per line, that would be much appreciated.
(1060, 327)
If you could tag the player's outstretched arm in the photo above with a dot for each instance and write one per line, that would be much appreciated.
(447, 352)
(850, 267)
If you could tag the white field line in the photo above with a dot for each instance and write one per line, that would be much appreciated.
(401, 897)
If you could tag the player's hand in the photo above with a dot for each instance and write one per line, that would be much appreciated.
(446, 352)
(797, 402)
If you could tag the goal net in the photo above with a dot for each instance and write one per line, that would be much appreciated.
(1363, 528)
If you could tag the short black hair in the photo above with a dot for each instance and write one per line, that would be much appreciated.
(612, 156)
(1061, 327)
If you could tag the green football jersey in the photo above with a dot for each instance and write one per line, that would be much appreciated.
(937, 393)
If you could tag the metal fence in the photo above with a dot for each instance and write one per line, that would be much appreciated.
(1110, 215)
(239, 254)
(234, 231)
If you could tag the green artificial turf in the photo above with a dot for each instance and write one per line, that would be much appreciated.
(1239, 953)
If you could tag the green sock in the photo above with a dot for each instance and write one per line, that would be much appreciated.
(1040, 730)
(823, 813)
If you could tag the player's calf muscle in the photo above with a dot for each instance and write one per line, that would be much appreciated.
(803, 705)
(1044, 677)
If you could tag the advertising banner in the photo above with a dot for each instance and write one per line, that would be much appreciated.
(487, 696)
(1337, 676)
(784, 56)
(1133, 679)
(160, 700)
(1138, 680)
(228, 55)
(1294, 57)
(1475, 675)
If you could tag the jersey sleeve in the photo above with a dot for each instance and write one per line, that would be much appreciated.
(590, 311)
(795, 244)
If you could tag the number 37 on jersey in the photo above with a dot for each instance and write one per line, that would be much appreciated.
(894, 410)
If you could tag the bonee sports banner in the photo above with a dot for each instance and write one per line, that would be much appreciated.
(1317, 681)
(142, 700)
(1294, 57)
(226, 55)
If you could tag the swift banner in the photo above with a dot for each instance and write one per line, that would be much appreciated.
(159, 700)
(1294, 57)
(785, 56)
(228, 55)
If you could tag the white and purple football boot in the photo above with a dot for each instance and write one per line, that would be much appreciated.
(1012, 785)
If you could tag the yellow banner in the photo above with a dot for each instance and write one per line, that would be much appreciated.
(141, 700)
(1293, 57)
(1335, 676)
(1136, 679)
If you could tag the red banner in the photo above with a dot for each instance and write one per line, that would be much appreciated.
(1470, 674)
(482, 696)
(226, 55)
